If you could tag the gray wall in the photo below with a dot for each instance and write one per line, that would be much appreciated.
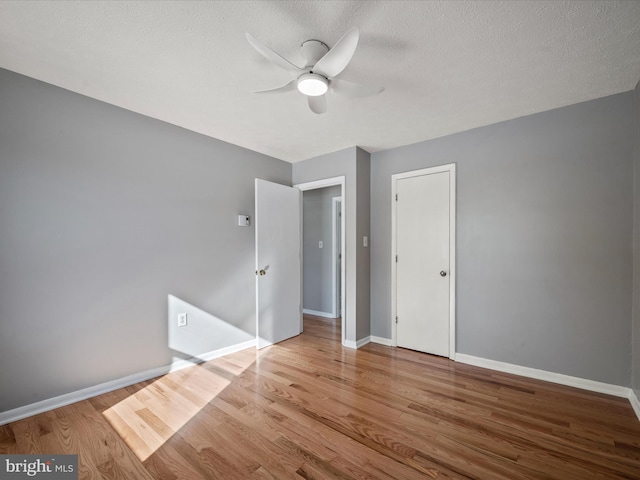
(544, 228)
(318, 262)
(636, 249)
(363, 229)
(109, 222)
(346, 162)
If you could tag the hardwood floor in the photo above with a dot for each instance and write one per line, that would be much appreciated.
(308, 408)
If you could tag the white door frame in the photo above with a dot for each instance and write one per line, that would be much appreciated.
(335, 201)
(330, 182)
(451, 168)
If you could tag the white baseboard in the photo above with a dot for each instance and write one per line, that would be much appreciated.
(89, 392)
(350, 344)
(318, 314)
(221, 352)
(635, 403)
(559, 378)
(357, 344)
(382, 341)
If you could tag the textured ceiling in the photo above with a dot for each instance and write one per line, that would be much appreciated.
(447, 66)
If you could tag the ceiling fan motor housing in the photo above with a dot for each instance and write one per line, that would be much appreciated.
(312, 51)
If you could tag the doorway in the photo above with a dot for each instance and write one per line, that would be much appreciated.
(423, 260)
(323, 245)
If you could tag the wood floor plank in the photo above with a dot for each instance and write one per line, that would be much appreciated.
(167, 463)
(370, 458)
(308, 408)
(265, 451)
(8, 443)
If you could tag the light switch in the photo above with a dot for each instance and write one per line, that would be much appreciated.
(365, 241)
(320, 244)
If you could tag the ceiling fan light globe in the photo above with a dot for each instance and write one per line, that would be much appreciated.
(312, 85)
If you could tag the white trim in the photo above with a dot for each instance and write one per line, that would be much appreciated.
(349, 343)
(451, 168)
(452, 261)
(635, 403)
(89, 392)
(358, 344)
(317, 313)
(330, 182)
(335, 244)
(559, 378)
(326, 182)
(382, 341)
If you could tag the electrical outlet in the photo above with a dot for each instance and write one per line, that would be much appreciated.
(182, 319)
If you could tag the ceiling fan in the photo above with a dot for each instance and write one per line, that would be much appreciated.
(318, 76)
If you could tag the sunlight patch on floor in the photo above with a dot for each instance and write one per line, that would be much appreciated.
(148, 418)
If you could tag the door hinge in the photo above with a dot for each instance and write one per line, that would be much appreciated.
(396, 197)
(396, 319)
(396, 258)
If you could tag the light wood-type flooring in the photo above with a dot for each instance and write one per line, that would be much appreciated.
(308, 408)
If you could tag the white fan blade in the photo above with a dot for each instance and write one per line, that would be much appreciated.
(289, 87)
(318, 104)
(272, 56)
(336, 59)
(353, 90)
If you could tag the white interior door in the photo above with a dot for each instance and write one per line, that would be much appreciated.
(278, 273)
(423, 274)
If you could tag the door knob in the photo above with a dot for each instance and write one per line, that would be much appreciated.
(262, 272)
(443, 273)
